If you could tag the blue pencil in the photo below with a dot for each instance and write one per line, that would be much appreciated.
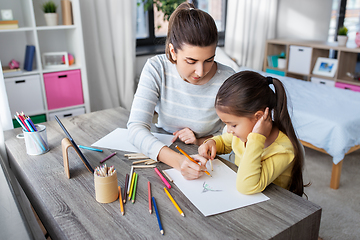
(158, 217)
(90, 148)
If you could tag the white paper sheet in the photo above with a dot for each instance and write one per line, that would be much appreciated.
(216, 194)
(118, 140)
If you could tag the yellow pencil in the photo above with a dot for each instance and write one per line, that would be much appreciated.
(121, 202)
(132, 185)
(186, 155)
(173, 201)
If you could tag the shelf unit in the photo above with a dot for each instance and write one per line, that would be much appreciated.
(33, 31)
(346, 56)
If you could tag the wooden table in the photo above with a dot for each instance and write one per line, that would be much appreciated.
(68, 209)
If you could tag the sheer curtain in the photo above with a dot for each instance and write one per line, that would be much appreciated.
(249, 24)
(5, 115)
(109, 29)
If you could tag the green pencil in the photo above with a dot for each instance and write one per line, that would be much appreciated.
(134, 191)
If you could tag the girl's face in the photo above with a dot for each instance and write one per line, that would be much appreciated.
(240, 127)
(195, 64)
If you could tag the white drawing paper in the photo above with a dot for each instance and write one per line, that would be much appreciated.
(118, 140)
(216, 194)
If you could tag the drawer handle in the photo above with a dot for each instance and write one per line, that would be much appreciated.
(300, 49)
(20, 81)
(322, 82)
(347, 88)
(62, 76)
(68, 115)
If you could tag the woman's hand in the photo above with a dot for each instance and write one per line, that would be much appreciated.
(191, 170)
(264, 125)
(185, 135)
(208, 149)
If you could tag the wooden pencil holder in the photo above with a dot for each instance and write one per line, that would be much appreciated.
(65, 144)
(106, 188)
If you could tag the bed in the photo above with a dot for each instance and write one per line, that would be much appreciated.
(325, 118)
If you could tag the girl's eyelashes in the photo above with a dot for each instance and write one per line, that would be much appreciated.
(190, 62)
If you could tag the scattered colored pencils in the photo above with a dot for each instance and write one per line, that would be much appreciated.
(90, 148)
(157, 215)
(125, 188)
(130, 179)
(132, 186)
(149, 195)
(162, 178)
(111, 155)
(173, 201)
(186, 155)
(167, 175)
(121, 202)
(134, 191)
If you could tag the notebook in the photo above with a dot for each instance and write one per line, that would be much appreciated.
(77, 149)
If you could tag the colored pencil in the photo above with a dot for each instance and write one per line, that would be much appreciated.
(111, 155)
(132, 186)
(144, 166)
(90, 148)
(137, 157)
(125, 188)
(186, 155)
(133, 154)
(167, 175)
(150, 162)
(140, 161)
(162, 178)
(134, 191)
(158, 217)
(149, 195)
(130, 178)
(173, 201)
(121, 202)
(22, 120)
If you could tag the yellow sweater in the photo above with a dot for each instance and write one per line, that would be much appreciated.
(259, 166)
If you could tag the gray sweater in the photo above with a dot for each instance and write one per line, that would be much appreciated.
(178, 103)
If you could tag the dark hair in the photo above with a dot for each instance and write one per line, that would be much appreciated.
(247, 92)
(188, 25)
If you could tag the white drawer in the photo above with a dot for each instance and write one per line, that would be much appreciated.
(24, 94)
(300, 59)
(323, 81)
(67, 113)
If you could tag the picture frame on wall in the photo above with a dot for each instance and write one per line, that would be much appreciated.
(325, 67)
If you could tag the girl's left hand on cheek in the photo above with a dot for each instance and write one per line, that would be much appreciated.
(185, 135)
(264, 125)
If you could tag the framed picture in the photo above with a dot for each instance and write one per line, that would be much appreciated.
(55, 60)
(325, 67)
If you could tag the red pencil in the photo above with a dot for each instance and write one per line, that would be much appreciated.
(126, 186)
(149, 193)
(23, 121)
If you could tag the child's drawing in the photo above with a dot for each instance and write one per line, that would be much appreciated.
(206, 188)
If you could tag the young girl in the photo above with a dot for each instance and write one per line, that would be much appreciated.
(266, 148)
(180, 86)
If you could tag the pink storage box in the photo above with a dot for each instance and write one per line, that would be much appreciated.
(63, 89)
(347, 86)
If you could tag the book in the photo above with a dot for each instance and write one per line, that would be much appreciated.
(9, 24)
(29, 57)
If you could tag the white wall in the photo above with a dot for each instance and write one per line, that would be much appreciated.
(304, 19)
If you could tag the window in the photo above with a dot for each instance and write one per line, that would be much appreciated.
(345, 13)
(151, 29)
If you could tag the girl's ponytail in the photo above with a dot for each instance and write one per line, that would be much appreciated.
(283, 121)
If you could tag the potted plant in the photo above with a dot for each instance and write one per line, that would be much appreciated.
(342, 36)
(49, 9)
(282, 60)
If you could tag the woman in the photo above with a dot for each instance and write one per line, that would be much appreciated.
(180, 86)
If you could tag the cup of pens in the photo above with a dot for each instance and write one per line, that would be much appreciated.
(106, 184)
(36, 141)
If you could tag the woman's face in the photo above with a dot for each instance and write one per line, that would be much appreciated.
(195, 64)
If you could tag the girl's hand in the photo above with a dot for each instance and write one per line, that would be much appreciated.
(264, 125)
(208, 149)
(185, 135)
(191, 170)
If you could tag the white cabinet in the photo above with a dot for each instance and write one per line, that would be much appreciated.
(33, 31)
(300, 59)
(24, 94)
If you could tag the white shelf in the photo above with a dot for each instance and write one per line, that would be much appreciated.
(33, 31)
